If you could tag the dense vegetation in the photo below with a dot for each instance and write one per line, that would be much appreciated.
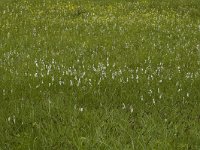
(99, 74)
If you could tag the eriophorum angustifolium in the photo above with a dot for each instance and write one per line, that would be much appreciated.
(89, 74)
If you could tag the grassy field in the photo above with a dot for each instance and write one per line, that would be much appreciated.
(99, 74)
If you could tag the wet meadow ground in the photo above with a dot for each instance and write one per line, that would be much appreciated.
(116, 74)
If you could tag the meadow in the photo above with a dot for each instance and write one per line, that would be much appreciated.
(99, 74)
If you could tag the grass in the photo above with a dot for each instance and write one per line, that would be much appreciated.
(115, 74)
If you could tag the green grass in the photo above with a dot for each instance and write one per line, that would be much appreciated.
(97, 74)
